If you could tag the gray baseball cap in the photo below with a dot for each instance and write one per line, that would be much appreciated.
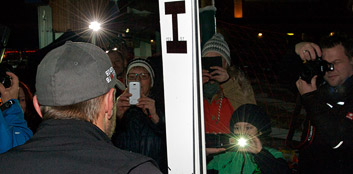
(73, 73)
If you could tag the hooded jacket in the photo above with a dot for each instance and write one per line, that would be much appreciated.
(234, 93)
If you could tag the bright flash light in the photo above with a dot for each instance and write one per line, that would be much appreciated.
(259, 34)
(290, 34)
(242, 142)
(115, 49)
(127, 30)
(95, 26)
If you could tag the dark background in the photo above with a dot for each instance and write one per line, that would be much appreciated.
(309, 16)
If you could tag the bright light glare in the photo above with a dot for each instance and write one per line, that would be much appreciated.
(242, 142)
(95, 26)
(259, 34)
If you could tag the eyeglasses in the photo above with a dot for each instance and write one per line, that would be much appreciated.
(133, 76)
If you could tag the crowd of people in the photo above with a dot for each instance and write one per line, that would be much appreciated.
(81, 119)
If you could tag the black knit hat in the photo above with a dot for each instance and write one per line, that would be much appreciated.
(254, 115)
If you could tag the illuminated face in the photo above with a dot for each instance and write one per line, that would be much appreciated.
(343, 67)
(244, 128)
(144, 81)
(118, 62)
(22, 99)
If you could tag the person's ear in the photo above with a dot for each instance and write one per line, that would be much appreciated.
(109, 102)
(224, 63)
(36, 106)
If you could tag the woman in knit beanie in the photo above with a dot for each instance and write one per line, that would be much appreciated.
(252, 124)
(224, 90)
(141, 127)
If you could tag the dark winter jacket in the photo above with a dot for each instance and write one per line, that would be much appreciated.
(72, 146)
(137, 133)
(330, 110)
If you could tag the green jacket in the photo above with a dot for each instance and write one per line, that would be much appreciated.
(267, 161)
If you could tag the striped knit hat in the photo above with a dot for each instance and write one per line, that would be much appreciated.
(141, 63)
(219, 45)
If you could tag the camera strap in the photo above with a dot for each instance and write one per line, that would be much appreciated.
(308, 131)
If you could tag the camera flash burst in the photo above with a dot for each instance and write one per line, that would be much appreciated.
(242, 142)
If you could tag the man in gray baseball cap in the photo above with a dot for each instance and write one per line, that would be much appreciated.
(75, 95)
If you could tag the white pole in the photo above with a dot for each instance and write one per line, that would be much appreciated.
(182, 86)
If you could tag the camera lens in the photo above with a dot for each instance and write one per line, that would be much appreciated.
(315, 67)
(5, 80)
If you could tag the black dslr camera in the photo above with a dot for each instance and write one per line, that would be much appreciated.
(315, 67)
(4, 78)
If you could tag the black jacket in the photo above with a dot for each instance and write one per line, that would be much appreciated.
(72, 146)
(329, 109)
(137, 133)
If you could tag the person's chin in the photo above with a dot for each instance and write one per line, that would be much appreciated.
(333, 82)
(212, 81)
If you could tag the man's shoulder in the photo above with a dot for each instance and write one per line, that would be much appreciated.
(134, 162)
(105, 159)
(127, 162)
(114, 153)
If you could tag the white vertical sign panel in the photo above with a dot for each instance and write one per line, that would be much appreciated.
(181, 71)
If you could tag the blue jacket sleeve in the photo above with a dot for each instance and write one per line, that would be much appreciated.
(13, 128)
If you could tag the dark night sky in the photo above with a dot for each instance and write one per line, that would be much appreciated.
(21, 18)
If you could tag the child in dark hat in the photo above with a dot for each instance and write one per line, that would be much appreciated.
(249, 125)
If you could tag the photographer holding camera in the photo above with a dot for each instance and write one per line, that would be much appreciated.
(329, 107)
(13, 126)
(224, 90)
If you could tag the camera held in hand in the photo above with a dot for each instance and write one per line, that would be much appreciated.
(238, 141)
(315, 67)
(4, 78)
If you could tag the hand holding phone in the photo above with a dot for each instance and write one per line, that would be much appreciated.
(208, 62)
(134, 89)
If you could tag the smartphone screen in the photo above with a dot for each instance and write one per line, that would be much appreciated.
(207, 62)
(134, 89)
